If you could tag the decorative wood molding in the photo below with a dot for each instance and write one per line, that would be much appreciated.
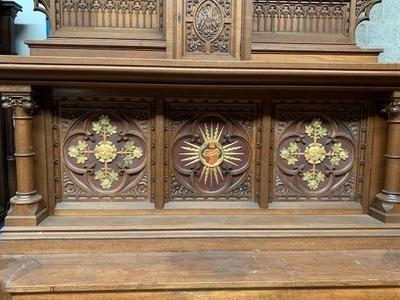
(363, 9)
(42, 6)
(141, 14)
(301, 17)
(26, 102)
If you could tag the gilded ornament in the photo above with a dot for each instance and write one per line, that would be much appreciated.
(211, 154)
(105, 152)
(315, 154)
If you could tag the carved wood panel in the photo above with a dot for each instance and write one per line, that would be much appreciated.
(319, 152)
(141, 14)
(213, 149)
(210, 27)
(301, 17)
(102, 149)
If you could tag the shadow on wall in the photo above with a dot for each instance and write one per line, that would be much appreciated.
(382, 31)
(29, 25)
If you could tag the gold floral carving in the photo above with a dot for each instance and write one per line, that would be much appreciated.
(105, 152)
(314, 154)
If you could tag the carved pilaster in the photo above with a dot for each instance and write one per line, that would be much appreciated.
(26, 205)
(387, 206)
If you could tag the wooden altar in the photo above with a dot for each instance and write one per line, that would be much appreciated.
(202, 148)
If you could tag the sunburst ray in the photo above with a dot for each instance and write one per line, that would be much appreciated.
(211, 154)
(231, 162)
(192, 162)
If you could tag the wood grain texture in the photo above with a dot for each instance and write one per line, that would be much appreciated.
(211, 270)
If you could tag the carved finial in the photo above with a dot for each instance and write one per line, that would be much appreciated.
(27, 102)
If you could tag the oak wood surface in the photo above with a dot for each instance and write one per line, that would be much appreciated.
(213, 270)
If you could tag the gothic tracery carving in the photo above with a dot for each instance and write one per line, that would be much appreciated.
(145, 14)
(104, 153)
(328, 17)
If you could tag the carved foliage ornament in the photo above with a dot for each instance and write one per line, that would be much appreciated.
(25, 102)
(392, 107)
(319, 156)
(209, 156)
(105, 154)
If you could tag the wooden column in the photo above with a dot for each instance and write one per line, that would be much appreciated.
(26, 206)
(8, 12)
(387, 206)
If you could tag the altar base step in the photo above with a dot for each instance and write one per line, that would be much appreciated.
(339, 274)
(182, 256)
(182, 232)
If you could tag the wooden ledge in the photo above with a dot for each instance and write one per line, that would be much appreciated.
(174, 222)
(204, 232)
(218, 271)
(62, 70)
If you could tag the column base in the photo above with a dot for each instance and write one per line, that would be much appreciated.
(387, 208)
(26, 210)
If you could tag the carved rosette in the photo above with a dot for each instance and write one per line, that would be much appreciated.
(211, 155)
(315, 155)
(105, 153)
(208, 26)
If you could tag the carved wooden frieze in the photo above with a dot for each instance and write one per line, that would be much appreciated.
(140, 14)
(104, 152)
(302, 17)
(319, 154)
(209, 27)
(213, 152)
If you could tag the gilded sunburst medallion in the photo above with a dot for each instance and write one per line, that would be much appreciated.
(211, 156)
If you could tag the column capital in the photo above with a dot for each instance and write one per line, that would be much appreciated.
(25, 101)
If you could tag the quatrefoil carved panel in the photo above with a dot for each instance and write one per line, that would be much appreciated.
(105, 153)
(315, 155)
(211, 155)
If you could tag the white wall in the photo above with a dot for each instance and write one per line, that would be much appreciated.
(29, 25)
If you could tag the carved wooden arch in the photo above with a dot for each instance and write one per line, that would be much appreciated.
(363, 9)
(42, 6)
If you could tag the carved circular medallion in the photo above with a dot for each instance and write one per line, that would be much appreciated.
(104, 153)
(211, 155)
(208, 20)
(316, 155)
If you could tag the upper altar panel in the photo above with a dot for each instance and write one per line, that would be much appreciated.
(212, 29)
